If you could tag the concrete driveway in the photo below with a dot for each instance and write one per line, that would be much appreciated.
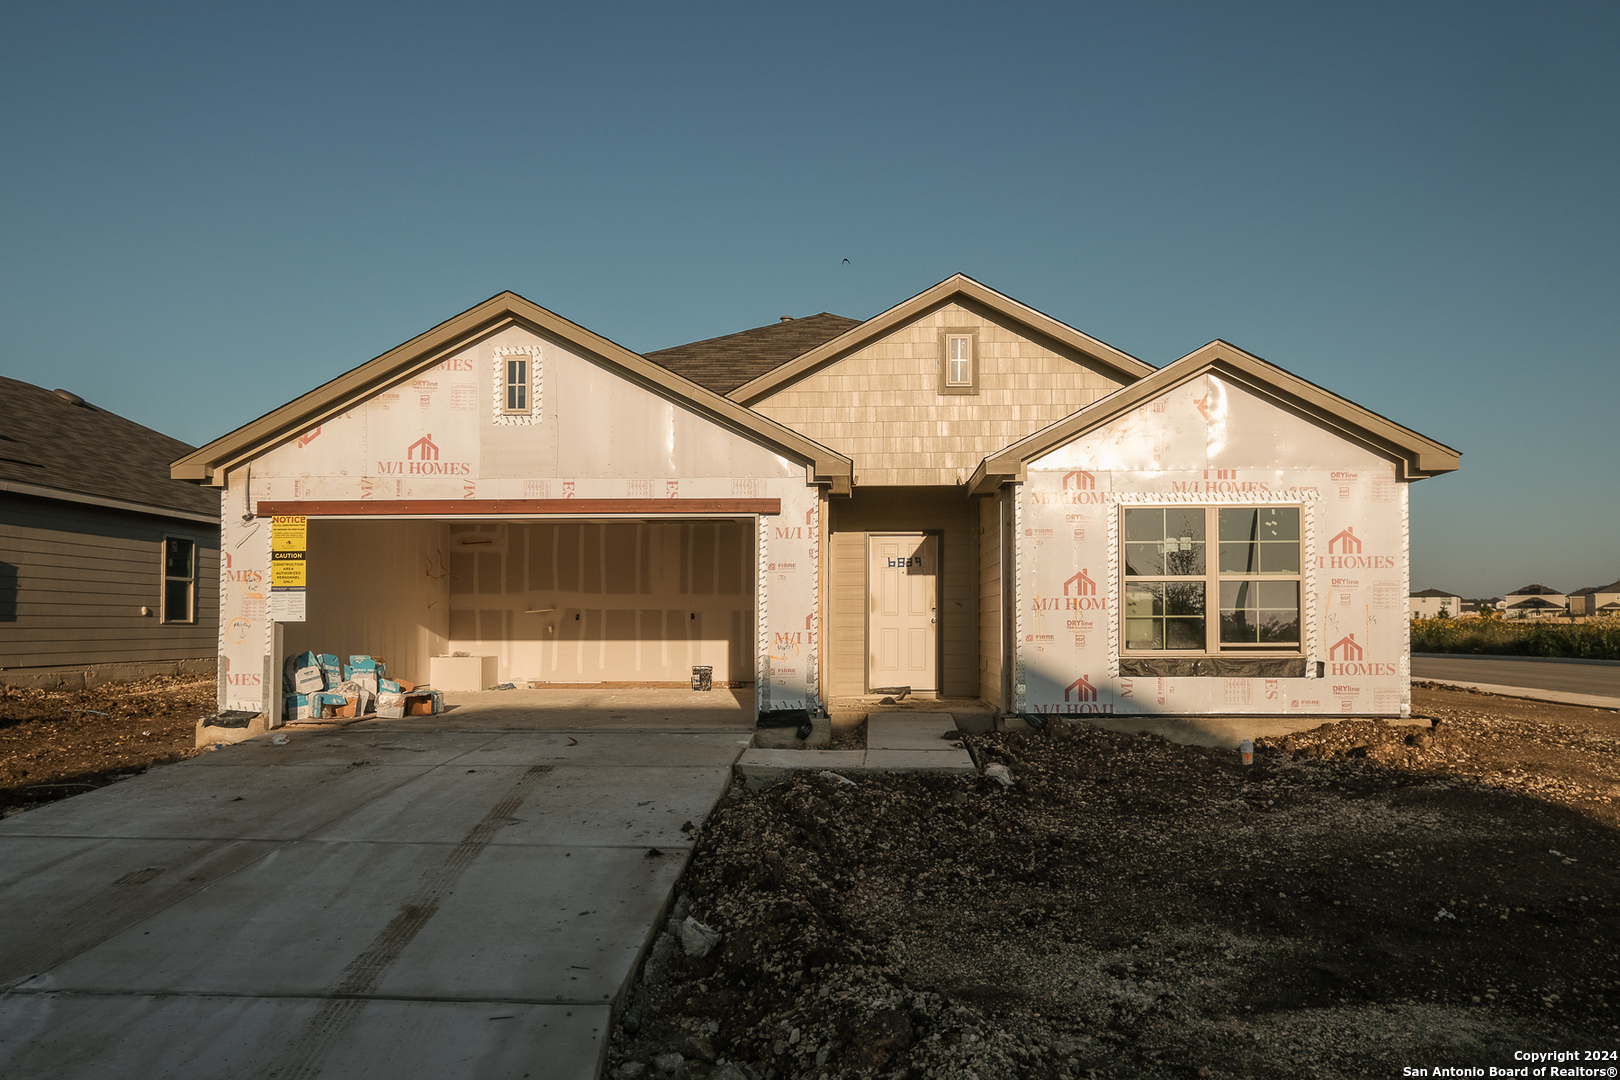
(454, 896)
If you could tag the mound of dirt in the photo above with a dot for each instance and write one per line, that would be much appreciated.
(58, 743)
(1365, 897)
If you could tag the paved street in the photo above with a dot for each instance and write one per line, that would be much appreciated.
(1600, 680)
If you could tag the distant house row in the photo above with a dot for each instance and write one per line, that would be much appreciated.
(1529, 602)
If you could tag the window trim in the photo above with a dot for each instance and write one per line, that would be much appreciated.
(164, 578)
(1211, 579)
(971, 333)
(531, 356)
(508, 383)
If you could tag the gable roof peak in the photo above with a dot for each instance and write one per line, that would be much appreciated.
(958, 285)
(1419, 456)
(211, 463)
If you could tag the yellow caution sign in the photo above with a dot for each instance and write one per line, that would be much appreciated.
(289, 532)
(287, 570)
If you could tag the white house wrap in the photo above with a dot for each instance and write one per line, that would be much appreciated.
(961, 495)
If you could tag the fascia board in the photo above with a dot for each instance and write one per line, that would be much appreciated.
(953, 286)
(1418, 455)
(212, 462)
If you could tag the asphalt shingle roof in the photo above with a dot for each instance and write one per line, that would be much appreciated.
(1535, 590)
(1434, 592)
(724, 363)
(50, 442)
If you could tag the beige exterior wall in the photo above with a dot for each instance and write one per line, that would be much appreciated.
(946, 511)
(990, 617)
(881, 405)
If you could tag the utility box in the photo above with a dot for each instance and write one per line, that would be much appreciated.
(462, 672)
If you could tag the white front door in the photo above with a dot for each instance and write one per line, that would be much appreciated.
(902, 634)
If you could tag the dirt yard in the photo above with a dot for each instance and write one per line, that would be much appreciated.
(1364, 899)
(54, 744)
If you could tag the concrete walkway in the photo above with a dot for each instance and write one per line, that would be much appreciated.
(454, 896)
(895, 742)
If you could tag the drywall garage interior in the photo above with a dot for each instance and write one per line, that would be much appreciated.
(556, 601)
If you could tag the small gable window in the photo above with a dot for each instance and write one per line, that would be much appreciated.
(517, 384)
(959, 362)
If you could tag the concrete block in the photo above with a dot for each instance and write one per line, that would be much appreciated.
(229, 736)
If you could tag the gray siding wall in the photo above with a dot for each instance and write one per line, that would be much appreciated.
(74, 578)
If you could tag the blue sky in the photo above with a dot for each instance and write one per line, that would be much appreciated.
(208, 209)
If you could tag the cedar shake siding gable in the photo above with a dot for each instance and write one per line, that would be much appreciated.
(959, 289)
(883, 402)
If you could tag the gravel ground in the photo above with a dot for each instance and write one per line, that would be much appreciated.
(1366, 898)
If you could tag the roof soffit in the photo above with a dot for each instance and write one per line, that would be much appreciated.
(507, 309)
(1417, 455)
(958, 288)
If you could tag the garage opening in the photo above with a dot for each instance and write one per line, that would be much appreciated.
(631, 603)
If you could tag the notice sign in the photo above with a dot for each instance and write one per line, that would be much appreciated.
(289, 538)
(289, 532)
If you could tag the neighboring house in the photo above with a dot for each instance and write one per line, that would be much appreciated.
(108, 568)
(962, 495)
(1596, 600)
(1534, 602)
(1431, 602)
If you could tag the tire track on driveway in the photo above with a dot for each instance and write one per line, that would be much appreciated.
(305, 1055)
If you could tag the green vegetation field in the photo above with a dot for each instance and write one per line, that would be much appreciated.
(1595, 640)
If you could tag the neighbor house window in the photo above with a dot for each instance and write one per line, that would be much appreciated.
(959, 362)
(1211, 579)
(517, 384)
(179, 580)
